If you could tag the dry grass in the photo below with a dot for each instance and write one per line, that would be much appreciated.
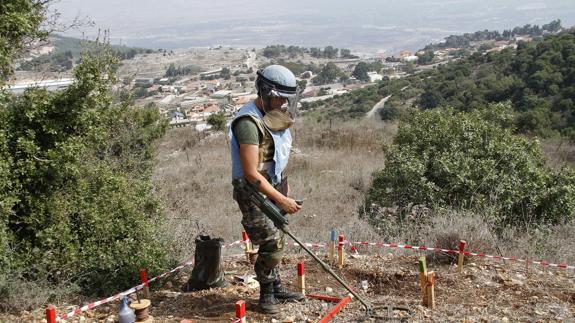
(559, 152)
(331, 167)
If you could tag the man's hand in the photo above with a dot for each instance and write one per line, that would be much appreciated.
(249, 160)
(289, 205)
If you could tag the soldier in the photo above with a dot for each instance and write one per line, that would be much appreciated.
(260, 146)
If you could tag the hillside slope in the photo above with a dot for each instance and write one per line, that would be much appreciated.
(538, 78)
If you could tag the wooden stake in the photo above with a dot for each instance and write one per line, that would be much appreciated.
(301, 277)
(461, 255)
(430, 290)
(423, 280)
(331, 247)
(51, 315)
(144, 280)
(340, 250)
(247, 245)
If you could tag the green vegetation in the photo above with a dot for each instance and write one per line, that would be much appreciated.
(19, 22)
(464, 41)
(55, 62)
(68, 50)
(362, 68)
(217, 121)
(173, 71)
(425, 58)
(76, 203)
(225, 73)
(538, 78)
(443, 158)
(328, 74)
(276, 51)
(142, 92)
(389, 113)
(296, 67)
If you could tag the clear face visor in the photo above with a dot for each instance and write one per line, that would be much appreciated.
(291, 104)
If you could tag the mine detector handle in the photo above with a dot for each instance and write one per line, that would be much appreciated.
(278, 216)
(268, 207)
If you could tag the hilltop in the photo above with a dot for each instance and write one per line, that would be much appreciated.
(104, 176)
(536, 77)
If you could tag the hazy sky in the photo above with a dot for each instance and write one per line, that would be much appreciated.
(356, 24)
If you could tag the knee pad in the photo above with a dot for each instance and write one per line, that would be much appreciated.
(270, 254)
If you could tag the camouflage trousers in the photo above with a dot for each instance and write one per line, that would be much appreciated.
(263, 233)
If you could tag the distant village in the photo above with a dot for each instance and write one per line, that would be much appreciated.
(189, 99)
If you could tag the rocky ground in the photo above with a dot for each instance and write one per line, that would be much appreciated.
(485, 291)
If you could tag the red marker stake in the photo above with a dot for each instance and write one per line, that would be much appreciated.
(301, 277)
(241, 311)
(337, 308)
(144, 280)
(340, 250)
(461, 255)
(51, 315)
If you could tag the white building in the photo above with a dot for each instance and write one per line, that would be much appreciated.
(411, 58)
(50, 85)
(374, 76)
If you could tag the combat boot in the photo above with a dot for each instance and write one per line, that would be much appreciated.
(268, 302)
(282, 294)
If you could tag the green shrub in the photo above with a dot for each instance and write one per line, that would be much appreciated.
(75, 184)
(217, 121)
(444, 158)
(389, 113)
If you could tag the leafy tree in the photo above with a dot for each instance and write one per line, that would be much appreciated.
(346, 53)
(173, 71)
(20, 22)
(360, 72)
(443, 158)
(330, 52)
(425, 58)
(217, 121)
(273, 51)
(316, 52)
(553, 26)
(464, 41)
(329, 73)
(82, 167)
(76, 203)
(225, 73)
(389, 113)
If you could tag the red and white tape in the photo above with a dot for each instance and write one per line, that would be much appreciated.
(134, 289)
(313, 245)
(98, 303)
(467, 253)
(308, 244)
(435, 249)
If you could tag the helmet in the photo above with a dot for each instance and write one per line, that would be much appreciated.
(278, 81)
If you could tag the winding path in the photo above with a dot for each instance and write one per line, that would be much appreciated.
(377, 106)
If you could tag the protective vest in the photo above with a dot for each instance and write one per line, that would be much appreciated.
(282, 145)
